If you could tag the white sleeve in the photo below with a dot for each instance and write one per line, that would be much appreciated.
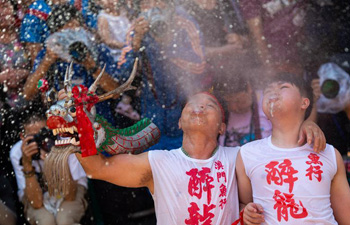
(15, 156)
(77, 170)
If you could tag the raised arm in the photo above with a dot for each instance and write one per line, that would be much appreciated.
(124, 170)
(107, 82)
(104, 33)
(257, 37)
(340, 193)
(30, 87)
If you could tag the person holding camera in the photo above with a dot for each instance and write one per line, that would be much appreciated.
(34, 28)
(169, 43)
(70, 41)
(27, 157)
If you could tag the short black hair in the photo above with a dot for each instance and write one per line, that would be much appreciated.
(304, 86)
(32, 112)
(61, 15)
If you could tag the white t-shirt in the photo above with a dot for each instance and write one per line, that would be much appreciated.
(193, 191)
(293, 185)
(76, 169)
(118, 28)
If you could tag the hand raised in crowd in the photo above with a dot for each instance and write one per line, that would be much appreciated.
(28, 150)
(315, 84)
(239, 41)
(253, 214)
(141, 27)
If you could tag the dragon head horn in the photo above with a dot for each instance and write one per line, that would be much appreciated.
(122, 88)
(68, 78)
(93, 87)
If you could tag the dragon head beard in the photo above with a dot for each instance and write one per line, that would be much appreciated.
(73, 119)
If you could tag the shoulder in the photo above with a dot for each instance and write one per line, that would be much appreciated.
(254, 144)
(163, 154)
(232, 151)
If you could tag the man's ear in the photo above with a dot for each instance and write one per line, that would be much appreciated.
(305, 103)
(222, 128)
(179, 123)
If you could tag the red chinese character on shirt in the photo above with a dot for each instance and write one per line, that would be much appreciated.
(218, 165)
(223, 190)
(195, 217)
(197, 179)
(286, 202)
(314, 167)
(220, 175)
(284, 173)
(222, 203)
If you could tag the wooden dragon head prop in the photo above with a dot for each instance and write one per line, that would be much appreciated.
(73, 120)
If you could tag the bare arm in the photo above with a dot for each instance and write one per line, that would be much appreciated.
(124, 170)
(340, 193)
(33, 50)
(107, 82)
(32, 191)
(256, 32)
(29, 89)
(252, 211)
(316, 89)
(244, 186)
(104, 33)
(235, 46)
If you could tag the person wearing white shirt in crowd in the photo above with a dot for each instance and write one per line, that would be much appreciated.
(39, 206)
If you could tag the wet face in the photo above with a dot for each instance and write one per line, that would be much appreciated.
(200, 113)
(283, 98)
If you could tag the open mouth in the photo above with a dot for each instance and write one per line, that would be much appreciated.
(66, 136)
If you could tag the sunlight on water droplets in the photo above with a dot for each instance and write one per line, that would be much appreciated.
(271, 108)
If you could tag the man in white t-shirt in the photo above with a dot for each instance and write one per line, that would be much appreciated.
(288, 183)
(195, 184)
(28, 162)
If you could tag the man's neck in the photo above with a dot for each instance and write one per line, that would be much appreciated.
(199, 146)
(285, 133)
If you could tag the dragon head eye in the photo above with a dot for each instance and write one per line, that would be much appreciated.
(72, 111)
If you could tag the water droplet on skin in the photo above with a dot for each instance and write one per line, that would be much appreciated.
(271, 108)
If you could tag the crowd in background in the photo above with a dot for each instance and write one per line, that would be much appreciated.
(184, 46)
